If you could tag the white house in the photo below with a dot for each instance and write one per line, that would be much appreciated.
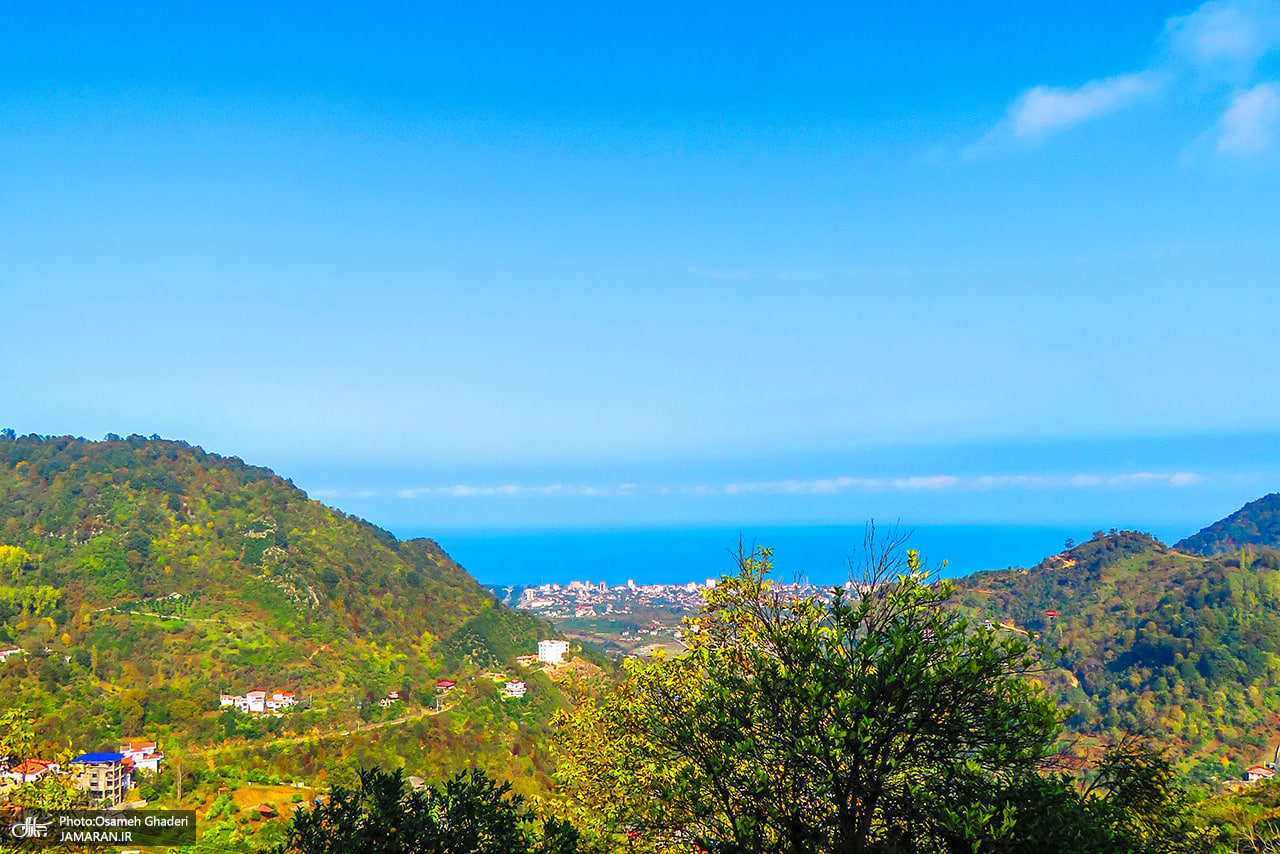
(240, 704)
(1257, 772)
(145, 755)
(6, 653)
(280, 700)
(552, 651)
(31, 770)
(515, 688)
(258, 702)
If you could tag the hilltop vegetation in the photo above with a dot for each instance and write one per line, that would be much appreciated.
(1255, 524)
(877, 720)
(142, 577)
(1155, 641)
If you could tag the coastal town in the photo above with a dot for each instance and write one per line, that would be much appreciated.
(629, 619)
(584, 599)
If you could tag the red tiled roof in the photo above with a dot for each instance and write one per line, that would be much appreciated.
(131, 746)
(31, 766)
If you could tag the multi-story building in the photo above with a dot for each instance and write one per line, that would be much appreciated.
(104, 777)
(552, 651)
(257, 701)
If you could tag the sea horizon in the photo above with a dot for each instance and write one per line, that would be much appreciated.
(819, 554)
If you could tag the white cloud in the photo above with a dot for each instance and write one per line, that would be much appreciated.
(462, 490)
(1046, 109)
(805, 486)
(1231, 32)
(829, 486)
(1249, 125)
(1221, 42)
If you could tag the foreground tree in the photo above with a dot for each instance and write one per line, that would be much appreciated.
(875, 719)
(469, 814)
(17, 744)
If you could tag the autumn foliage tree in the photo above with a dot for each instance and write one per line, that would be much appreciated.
(872, 719)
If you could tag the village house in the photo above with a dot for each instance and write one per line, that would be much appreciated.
(259, 702)
(5, 654)
(104, 777)
(145, 755)
(515, 689)
(30, 771)
(1258, 772)
(239, 703)
(392, 697)
(552, 651)
(280, 700)
(446, 685)
(526, 660)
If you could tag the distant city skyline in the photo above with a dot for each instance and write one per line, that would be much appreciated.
(511, 268)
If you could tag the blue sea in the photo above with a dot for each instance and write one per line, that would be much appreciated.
(820, 554)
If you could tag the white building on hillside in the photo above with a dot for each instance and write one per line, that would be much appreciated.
(30, 771)
(258, 702)
(552, 651)
(280, 700)
(145, 755)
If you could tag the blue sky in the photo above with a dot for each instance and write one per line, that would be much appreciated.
(505, 265)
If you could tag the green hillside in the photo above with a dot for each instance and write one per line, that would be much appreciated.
(1255, 524)
(142, 577)
(1181, 648)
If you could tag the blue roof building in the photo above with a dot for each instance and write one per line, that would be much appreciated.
(99, 757)
(104, 777)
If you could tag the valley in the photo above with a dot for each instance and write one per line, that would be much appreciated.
(267, 647)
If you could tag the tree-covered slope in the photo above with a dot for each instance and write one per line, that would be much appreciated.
(1255, 524)
(142, 577)
(1181, 648)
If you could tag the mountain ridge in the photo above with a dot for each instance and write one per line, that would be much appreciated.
(1257, 523)
(1152, 639)
(144, 577)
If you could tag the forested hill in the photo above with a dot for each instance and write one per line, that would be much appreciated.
(1182, 648)
(142, 577)
(1255, 524)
